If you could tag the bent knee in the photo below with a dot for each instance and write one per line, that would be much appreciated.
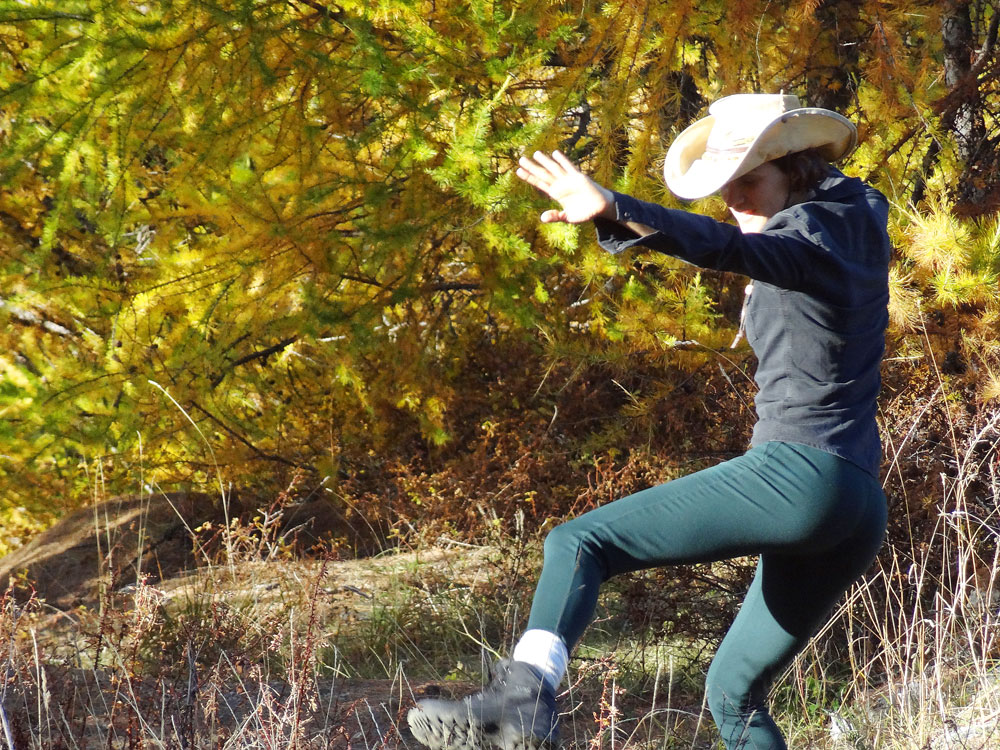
(726, 701)
(731, 694)
(574, 545)
(566, 538)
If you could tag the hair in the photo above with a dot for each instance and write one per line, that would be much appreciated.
(805, 169)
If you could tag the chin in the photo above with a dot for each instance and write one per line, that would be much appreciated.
(750, 223)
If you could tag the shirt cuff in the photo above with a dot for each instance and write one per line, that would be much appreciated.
(614, 236)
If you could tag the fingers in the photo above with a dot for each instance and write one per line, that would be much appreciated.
(550, 165)
(535, 171)
(541, 169)
(528, 175)
(559, 178)
(567, 166)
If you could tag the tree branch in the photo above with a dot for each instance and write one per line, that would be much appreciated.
(51, 15)
(453, 286)
(230, 431)
(31, 318)
(262, 354)
(989, 44)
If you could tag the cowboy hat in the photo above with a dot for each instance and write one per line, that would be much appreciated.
(743, 131)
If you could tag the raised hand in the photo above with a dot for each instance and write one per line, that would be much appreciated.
(581, 198)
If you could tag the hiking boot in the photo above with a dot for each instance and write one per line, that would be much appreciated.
(516, 711)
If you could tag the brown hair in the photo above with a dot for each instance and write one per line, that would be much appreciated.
(805, 169)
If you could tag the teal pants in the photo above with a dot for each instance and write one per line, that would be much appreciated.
(815, 520)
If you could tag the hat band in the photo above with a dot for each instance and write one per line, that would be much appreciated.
(713, 153)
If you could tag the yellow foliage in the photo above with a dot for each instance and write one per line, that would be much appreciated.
(937, 241)
(904, 300)
(277, 212)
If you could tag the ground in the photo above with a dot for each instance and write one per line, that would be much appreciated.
(128, 628)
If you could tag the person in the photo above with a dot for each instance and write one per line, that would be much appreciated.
(805, 498)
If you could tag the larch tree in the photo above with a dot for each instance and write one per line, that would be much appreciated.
(246, 238)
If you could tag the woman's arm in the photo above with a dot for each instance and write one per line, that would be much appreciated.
(801, 249)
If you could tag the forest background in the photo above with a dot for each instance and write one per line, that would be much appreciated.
(277, 248)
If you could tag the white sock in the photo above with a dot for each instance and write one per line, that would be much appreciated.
(547, 652)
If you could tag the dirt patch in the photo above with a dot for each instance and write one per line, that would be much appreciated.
(110, 677)
(222, 647)
(109, 542)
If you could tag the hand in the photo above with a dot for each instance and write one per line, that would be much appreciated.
(581, 198)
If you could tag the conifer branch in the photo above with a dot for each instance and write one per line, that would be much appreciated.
(989, 44)
(453, 286)
(31, 318)
(15, 227)
(48, 15)
(441, 286)
(334, 15)
(233, 433)
(362, 280)
(76, 265)
(262, 354)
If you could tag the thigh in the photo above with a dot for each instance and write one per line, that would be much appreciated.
(790, 597)
(776, 498)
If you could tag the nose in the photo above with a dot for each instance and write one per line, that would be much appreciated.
(731, 194)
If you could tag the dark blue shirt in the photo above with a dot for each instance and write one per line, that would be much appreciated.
(818, 312)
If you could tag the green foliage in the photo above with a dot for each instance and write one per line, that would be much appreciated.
(246, 239)
(957, 260)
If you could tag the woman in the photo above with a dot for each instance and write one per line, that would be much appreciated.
(806, 497)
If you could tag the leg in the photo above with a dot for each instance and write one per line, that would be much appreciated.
(633, 532)
(788, 600)
(778, 498)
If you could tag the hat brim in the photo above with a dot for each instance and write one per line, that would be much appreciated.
(690, 175)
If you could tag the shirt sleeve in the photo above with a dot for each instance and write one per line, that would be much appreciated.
(783, 254)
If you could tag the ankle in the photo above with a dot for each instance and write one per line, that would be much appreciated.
(546, 652)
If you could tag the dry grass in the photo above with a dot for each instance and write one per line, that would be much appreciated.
(261, 649)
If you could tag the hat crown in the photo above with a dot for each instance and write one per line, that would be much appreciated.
(740, 118)
(743, 131)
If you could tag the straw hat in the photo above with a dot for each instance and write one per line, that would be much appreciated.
(742, 132)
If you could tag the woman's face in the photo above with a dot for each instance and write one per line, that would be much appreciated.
(757, 196)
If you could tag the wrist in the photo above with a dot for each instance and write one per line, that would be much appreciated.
(610, 210)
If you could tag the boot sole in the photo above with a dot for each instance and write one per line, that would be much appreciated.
(454, 733)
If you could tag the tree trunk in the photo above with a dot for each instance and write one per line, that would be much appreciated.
(835, 88)
(965, 119)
